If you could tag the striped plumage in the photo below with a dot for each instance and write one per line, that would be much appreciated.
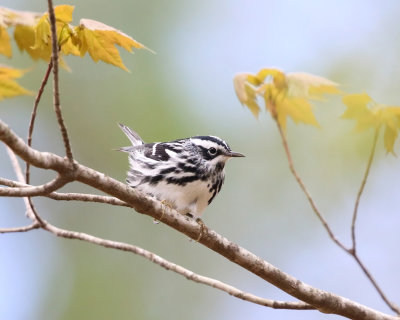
(186, 174)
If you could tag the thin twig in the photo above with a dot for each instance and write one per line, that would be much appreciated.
(351, 251)
(32, 226)
(20, 177)
(33, 115)
(30, 209)
(56, 91)
(177, 269)
(361, 190)
(304, 189)
(391, 305)
(40, 190)
(69, 196)
(87, 198)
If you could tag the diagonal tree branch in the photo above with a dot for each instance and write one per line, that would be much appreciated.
(322, 300)
(40, 223)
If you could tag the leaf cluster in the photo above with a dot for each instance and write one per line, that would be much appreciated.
(32, 34)
(290, 96)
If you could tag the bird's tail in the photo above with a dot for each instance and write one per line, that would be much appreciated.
(135, 139)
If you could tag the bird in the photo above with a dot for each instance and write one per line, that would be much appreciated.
(185, 174)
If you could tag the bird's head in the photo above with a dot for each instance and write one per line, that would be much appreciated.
(213, 151)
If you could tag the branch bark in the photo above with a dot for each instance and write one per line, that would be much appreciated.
(69, 196)
(322, 300)
(32, 226)
(41, 190)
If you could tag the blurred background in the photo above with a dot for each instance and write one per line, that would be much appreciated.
(186, 89)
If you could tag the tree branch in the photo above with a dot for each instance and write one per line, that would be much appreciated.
(361, 190)
(306, 192)
(33, 115)
(177, 269)
(41, 190)
(69, 196)
(56, 90)
(322, 300)
(32, 226)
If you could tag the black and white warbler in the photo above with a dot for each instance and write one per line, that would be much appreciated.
(186, 174)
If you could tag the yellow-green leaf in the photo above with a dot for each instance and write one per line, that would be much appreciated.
(369, 114)
(5, 45)
(42, 34)
(389, 138)
(99, 41)
(309, 86)
(25, 38)
(66, 40)
(364, 110)
(298, 109)
(277, 76)
(8, 86)
(64, 13)
(245, 92)
(285, 95)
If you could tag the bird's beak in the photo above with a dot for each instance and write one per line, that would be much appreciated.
(235, 154)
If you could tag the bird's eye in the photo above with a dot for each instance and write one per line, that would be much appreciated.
(212, 151)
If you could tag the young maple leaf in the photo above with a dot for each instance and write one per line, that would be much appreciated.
(32, 31)
(100, 39)
(33, 34)
(8, 86)
(5, 45)
(11, 18)
(370, 114)
(246, 93)
(285, 95)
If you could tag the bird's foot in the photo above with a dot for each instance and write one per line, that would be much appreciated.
(164, 203)
(200, 223)
(202, 228)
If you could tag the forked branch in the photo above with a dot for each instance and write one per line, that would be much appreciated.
(351, 251)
